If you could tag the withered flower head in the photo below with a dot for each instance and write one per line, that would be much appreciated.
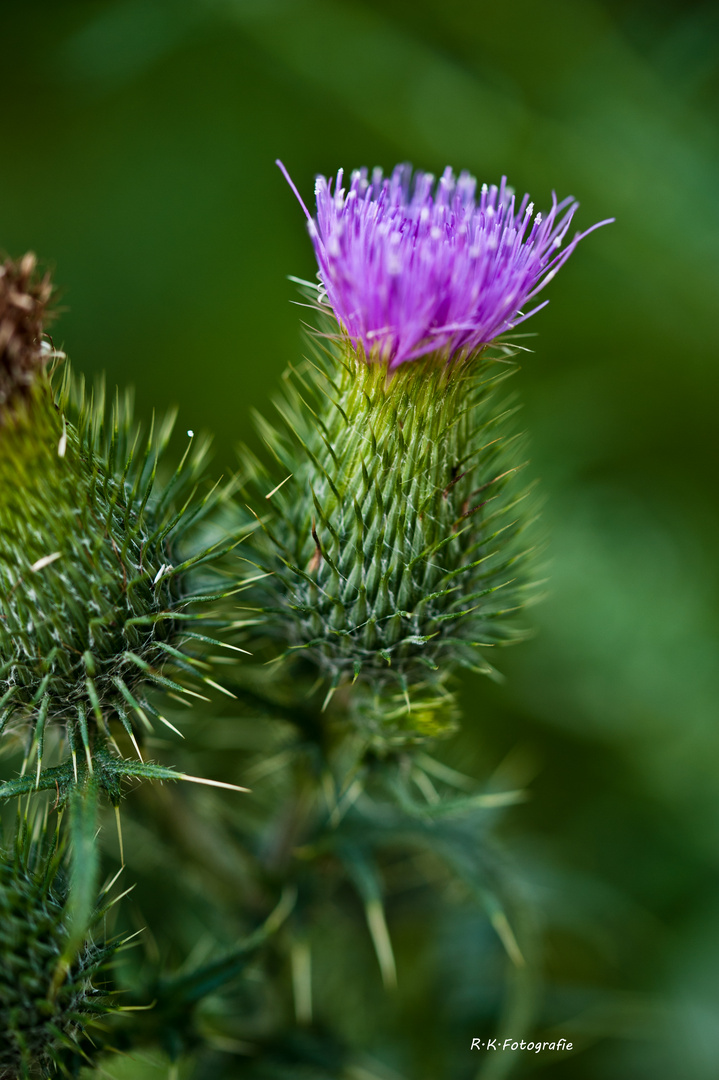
(24, 296)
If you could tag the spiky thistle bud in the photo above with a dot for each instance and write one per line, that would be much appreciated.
(396, 546)
(96, 586)
(47, 1004)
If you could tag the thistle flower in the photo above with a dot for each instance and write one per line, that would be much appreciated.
(397, 547)
(411, 267)
(46, 1004)
(96, 585)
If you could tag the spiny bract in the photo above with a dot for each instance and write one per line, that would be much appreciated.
(46, 1006)
(393, 547)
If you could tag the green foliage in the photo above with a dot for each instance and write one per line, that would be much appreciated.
(108, 773)
(50, 994)
(414, 543)
(97, 593)
(396, 544)
(342, 854)
(167, 1011)
(301, 1055)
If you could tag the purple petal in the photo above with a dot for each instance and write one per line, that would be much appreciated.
(411, 265)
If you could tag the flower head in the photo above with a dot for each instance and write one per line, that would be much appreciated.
(97, 557)
(410, 266)
(24, 296)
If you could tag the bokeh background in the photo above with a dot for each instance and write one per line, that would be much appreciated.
(137, 157)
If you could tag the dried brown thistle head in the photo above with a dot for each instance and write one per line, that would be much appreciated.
(24, 296)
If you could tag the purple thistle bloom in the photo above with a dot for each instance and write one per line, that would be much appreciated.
(411, 267)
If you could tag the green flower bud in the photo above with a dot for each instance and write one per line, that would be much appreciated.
(395, 546)
(96, 586)
(46, 1003)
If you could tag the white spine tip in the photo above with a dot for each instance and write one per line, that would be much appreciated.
(45, 561)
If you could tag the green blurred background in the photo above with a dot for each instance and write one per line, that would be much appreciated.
(137, 158)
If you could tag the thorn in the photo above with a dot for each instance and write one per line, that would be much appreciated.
(506, 935)
(40, 564)
(143, 716)
(172, 727)
(217, 686)
(383, 945)
(301, 959)
(348, 800)
(61, 972)
(426, 786)
(275, 660)
(134, 743)
(181, 701)
(193, 693)
(317, 554)
(112, 881)
(276, 489)
(136, 1008)
(119, 837)
(210, 783)
(113, 740)
(117, 899)
(328, 698)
